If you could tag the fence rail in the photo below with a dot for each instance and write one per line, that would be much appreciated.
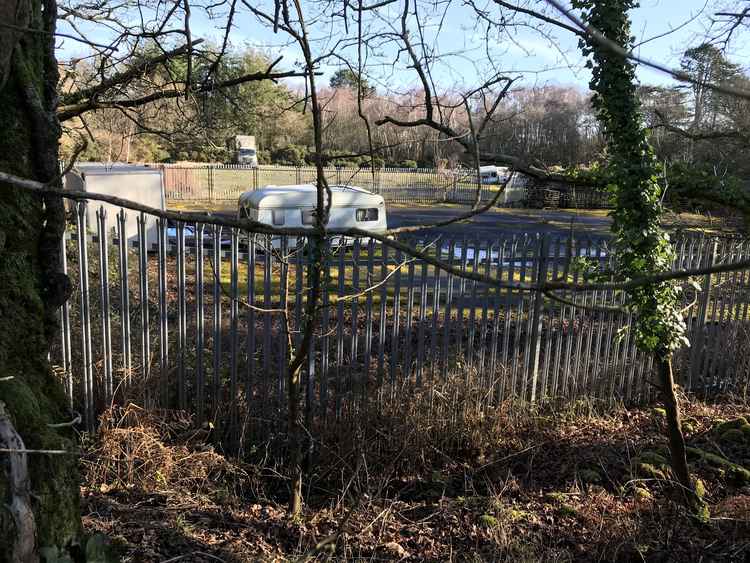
(396, 185)
(191, 319)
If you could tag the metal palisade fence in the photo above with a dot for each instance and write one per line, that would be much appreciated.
(227, 182)
(195, 317)
(396, 185)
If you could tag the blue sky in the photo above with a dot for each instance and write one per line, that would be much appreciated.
(464, 58)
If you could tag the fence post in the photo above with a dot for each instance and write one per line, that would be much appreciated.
(67, 357)
(696, 346)
(87, 352)
(255, 178)
(210, 183)
(537, 314)
(298, 176)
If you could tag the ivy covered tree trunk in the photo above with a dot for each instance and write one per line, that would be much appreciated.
(643, 246)
(40, 489)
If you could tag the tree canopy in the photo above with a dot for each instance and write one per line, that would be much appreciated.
(347, 78)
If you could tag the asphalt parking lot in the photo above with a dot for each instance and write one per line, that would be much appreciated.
(491, 223)
(504, 221)
(499, 222)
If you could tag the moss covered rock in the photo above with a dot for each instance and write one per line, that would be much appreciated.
(649, 471)
(733, 424)
(700, 488)
(653, 458)
(738, 475)
(734, 472)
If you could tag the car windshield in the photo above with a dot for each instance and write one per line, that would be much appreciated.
(247, 152)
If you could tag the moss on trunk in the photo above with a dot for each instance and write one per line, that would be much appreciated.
(32, 395)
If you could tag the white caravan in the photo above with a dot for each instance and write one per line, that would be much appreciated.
(294, 207)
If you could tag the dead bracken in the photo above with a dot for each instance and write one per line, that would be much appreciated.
(155, 485)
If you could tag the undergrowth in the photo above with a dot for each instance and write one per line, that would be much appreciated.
(427, 476)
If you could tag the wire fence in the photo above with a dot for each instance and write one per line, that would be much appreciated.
(204, 318)
(396, 185)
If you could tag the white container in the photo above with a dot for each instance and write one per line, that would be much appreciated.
(140, 184)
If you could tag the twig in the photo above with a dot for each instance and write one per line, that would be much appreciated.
(76, 420)
(57, 34)
(43, 452)
(507, 457)
(603, 308)
(217, 280)
(201, 553)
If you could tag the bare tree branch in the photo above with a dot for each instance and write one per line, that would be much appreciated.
(126, 76)
(66, 112)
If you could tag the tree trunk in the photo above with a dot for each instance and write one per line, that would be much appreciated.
(31, 287)
(674, 423)
(295, 441)
(677, 450)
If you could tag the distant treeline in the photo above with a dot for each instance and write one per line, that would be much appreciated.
(699, 135)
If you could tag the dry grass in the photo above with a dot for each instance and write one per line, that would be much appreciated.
(157, 451)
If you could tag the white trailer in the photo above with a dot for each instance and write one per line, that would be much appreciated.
(141, 184)
(294, 207)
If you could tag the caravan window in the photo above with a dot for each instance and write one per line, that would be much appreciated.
(278, 216)
(308, 217)
(369, 214)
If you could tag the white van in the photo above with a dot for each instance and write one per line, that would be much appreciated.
(493, 174)
(294, 207)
